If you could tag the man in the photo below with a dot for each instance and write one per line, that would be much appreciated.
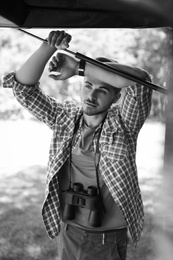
(92, 196)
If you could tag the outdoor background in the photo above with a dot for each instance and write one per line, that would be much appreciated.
(24, 142)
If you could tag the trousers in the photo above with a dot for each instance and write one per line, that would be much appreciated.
(75, 243)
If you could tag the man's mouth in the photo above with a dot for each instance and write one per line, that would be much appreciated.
(89, 103)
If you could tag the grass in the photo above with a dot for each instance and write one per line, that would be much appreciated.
(22, 233)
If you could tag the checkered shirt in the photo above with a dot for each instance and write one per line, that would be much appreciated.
(117, 148)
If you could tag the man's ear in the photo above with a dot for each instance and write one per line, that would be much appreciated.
(117, 97)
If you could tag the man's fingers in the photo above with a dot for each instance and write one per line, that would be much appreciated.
(53, 74)
(51, 34)
(65, 41)
(51, 66)
(56, 64)
(59, 39)
(54, 61)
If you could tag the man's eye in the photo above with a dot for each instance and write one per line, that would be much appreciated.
(103, 91)
(88, 86)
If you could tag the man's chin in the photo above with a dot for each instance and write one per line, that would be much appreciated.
(91, 111)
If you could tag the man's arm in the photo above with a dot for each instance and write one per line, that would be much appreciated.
(67, 66)
(32, 69)
(136, 106)
(25, 82)
(112, 78)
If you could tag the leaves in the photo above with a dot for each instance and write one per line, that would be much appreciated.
(146, 48)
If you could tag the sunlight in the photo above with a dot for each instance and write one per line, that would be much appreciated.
(17, 151)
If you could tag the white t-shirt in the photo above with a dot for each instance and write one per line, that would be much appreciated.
(83, 170)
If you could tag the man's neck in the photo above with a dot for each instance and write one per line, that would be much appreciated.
(95, 120)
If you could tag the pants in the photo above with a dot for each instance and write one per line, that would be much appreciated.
(78, 244)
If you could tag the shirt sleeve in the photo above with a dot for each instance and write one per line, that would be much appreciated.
(136, 106)
(31, 97)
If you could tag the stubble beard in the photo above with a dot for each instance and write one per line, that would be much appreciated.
(91, 112)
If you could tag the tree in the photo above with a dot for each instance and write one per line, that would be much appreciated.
(146, 48)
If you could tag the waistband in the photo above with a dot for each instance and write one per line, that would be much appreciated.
(116, 234)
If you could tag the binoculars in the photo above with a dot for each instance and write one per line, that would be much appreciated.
(90, 199)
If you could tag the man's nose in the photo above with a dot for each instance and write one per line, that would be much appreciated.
(93, 94)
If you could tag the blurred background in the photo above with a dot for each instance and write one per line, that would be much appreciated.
(24, 142)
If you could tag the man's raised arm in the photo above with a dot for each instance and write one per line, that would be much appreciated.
(31, 71)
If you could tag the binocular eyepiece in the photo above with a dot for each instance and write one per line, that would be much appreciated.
(78, 187)
(90, 199)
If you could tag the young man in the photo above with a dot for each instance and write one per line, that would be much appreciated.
(92, 196)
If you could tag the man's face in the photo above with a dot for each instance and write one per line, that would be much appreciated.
(96, 96)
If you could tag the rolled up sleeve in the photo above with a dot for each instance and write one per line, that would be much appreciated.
(31, 97)
(136, 106)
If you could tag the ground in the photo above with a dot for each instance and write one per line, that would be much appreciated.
(24, 153)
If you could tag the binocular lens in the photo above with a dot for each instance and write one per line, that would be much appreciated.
(77, 187)
(92, 191)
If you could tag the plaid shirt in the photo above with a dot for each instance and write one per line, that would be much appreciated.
(117, 148)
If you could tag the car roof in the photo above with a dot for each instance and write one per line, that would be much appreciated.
(86, 13)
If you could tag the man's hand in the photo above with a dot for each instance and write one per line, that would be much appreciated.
(31, 71)
(62, 67)
(59, 39)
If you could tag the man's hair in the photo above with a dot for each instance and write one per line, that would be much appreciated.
(106, 60)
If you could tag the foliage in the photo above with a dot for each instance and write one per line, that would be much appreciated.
(146, 48)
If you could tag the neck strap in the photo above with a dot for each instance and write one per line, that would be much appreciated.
(97, 153)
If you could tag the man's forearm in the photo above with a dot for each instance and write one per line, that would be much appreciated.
(112, 78)
(32, 69)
